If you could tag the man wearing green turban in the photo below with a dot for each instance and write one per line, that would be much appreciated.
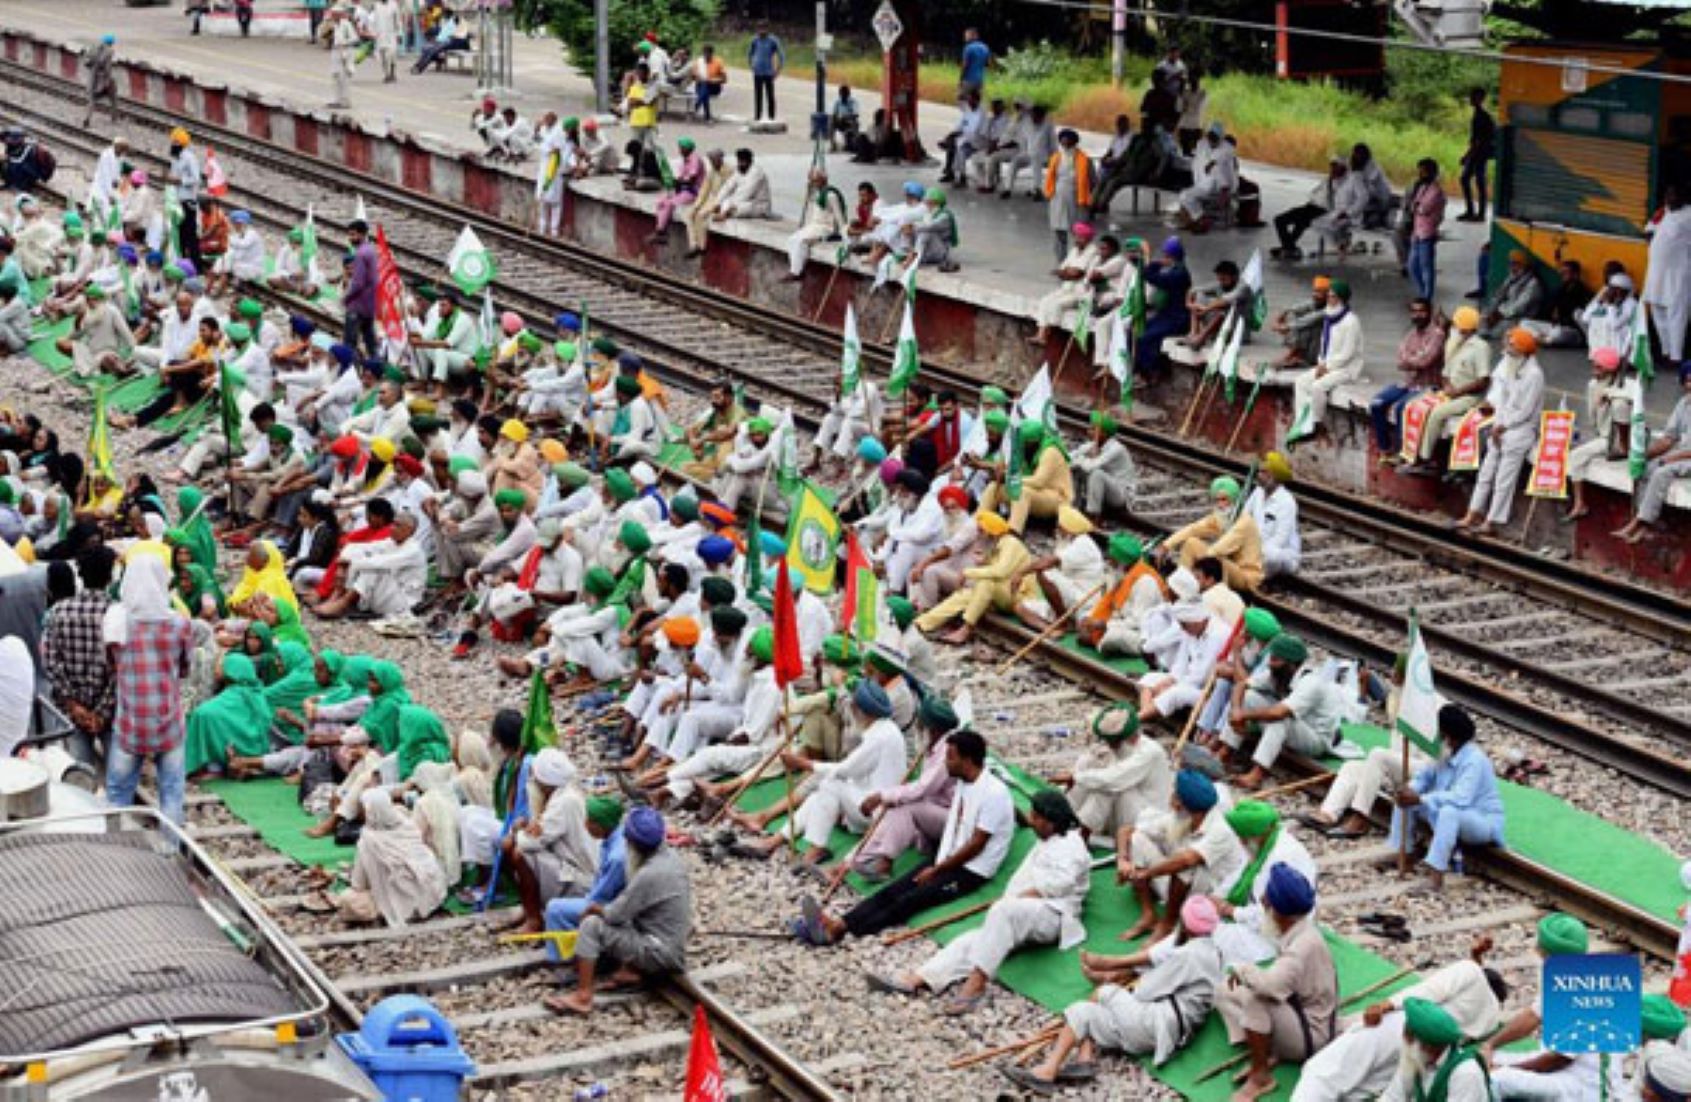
(1545, 1073)
(1234, 540)
(742, 472)
(1292, 705)
(1114, 625)
(912, 814)
(1117, 777)
(1105, 477)
(1436, 1066)
(1047, 482)
(632, 434)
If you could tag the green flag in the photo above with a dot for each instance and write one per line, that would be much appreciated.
(539, 730)
(1121, 358)
(666, 174)
(1133, 304)
(1642, 361)
(1228, 365)
(908, 358)
(1637, 458)
(1081, 326)
(866, 620)
(471, 266)
(1419, 702)
(754, 557)
(910, 283)
(1252, 277)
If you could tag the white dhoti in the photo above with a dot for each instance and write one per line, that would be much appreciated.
(700, 724)
(798, 246)
(1104, 812)
(1359, 783)
(1276, 736)
(438, 363)
(839, 434)
(1122, 636)
(834, 803)
(1578, 1082)
(590, 655)
(478, 834)
(1119, 1021)
(1057, 308)
(712, 761)
(1358, 1063)
(383, 592)
(902, 559)
(1170, 695)
(1195, 199)
(1010, 924)
(1151, 844)
(1314, 392)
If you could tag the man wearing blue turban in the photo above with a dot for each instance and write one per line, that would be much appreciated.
(1186, 850)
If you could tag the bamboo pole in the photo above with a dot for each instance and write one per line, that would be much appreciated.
(1192, 407)
(749, 779)
(1406, 970)
(1293, 786)
(1050, 629)
(827, 291)
(1192, 720)
(937, 924)
(1220, 1069)
(1043, 1036)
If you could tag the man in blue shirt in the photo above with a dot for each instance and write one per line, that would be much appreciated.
(1456, 796)
(604, 822)
(977, 55)
(765, 57)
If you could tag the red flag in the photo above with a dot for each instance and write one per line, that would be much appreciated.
(390, 292)
(704, 1070)
(856, 560)
(789, 660)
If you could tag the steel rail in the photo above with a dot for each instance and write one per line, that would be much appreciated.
(785, 1075)
(1660, 616)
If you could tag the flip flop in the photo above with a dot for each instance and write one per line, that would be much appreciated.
(1383, 918)
(1028, 1081)
(1344, 834)
(1081, 1071)
(1398, 934)
(888, 985)
(1308, 819)
(958, 1005)
(817, 933)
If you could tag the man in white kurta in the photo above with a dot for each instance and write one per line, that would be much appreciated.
(1667, 277)
(1290, 703)
(1340, 361)
(1119, 778)
(918, 529)
(1173, 852)
(1275, 510)
(754, 735)
(1188, 649)
(1516, 400)
(389, 576)
(852, 417)
(877, 764)
(1215, 174)
(1074, 572)
(742, 472)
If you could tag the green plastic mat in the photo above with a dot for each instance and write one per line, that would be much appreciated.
(271, 807)
(1133, 667)
(43, 349)
(1577, 844)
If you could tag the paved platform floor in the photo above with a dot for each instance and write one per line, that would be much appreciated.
(1006, 244)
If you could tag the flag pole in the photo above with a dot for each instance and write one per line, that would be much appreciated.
(1250, 403)
(1403, 838)
(792, 812)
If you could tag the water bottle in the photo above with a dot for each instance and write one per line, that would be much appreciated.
(590, 1094)
(1457, 865)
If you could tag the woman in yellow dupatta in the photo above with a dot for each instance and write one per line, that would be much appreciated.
(265, 573)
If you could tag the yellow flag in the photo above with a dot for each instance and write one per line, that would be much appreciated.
(813, 541)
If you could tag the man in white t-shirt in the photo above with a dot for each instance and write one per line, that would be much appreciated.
(978, 828)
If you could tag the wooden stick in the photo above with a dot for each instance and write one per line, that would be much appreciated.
(843, 869)
(1192, 720)
(1209, 401)
(1050, 628)
(1203, 382)
(1408, 824)
(1526, 526)
(937, 924)
(750, 779)
(1406, 970)
(1057, 372)
(821, 307)
(1220, 1069)
(1033, 1039)
(894, 316)
(1238, 427)
(1292, 786)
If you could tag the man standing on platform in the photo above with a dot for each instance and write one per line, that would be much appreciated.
(342, 53)
(101, 84)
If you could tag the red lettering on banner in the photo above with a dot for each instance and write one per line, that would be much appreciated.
(1415, 416)
(1550, 464)
(1465, 449)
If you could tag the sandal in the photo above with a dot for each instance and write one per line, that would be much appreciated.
(1344, 834)
(888, 984)
(1028, 1081)
(958, 1005)
(1081, 1071)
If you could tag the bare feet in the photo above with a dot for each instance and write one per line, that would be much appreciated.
(1251, 780)
(959, 637)
(578, 1002)
(1255, 1087)
(322, 829)
(1147, 922)
(514, 667)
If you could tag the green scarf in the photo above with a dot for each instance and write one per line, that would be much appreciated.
(288, 628)
(1440, 1088)
(267, 663)
(1240, 895)
(352, 682)
(292, 691)
(236, 720)
(194, 583)
(381, 720)
(422, 737)
(195, 527)
(506, 776)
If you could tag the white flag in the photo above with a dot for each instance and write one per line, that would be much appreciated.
(851, 353)
(1121, 349)
(1228, 367)
(1419, 704)
(910, 282)
(1036, 395)
(488, 322)
(358, 214)
(883, 273)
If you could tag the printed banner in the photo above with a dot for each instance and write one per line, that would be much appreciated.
(390, 292)
(1415, 415)
(1550, 464)
(1465, 449)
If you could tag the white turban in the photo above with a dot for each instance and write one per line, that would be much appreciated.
(553, 768)
(379, 812)
(471, 484)
(1668, 1066)
(1184, 584)
(1191, 612)
(1621, 280)
(643, 474)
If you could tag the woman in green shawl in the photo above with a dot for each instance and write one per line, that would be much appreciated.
(288, 695)
(195, 586)
(388, 697)
(195, 527)
(259, 645)
(352, 679)
(422, 737)
(235, 721)
(287, 628)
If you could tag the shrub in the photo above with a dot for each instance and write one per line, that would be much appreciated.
(677, 23)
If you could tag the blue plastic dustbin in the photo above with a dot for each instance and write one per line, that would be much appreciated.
(410, 1051)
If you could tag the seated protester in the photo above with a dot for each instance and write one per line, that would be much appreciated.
(746, 194)
(1167, 281)
(1189, 844)
(934, 438)
(1340, 361)
(1118, 779)
(712, 435)
(1560, 324)
(548, 576)
(1515, 402)
(1287, 1011)
(1155, 1016)
(1244, 938)
(823, 219)
(1041, 905)
(645, 929)
(1518, 299)
(1116, 622)
(258, 480)
(1420, 356)
(910, 815)
(1275, 511)
(1114, 167)
(701, 700)
(939, 573)
(1048, 587)
(1215, 179)
(916, 530)
(1349, 209)
(604, 825)
(841, 789)
(1668, 457)
(1210, 307)
(1104, 473)
(1057, 307)
(986, 588)
(550, 851)
(843, 119)
(447, 347)
(853, 417)
(742, 472)
(1607, 320)
(388, 418)
(1249, 654)
(1187, 647)
(633, 432)
(516, 538)
(1362, 1061)
(1048, 484)
(1324, 199)
(824, 722)
(978, 832)
(514, 464)
(1290, 703)
(886, 229)
(930, 236)
(751, 737)
(465, 527)
(16, 324)
(1545, 1073)
(245, 262)
(395, 876)
(102, 342)
(586, 642)
(235, 722)
(1434, 1059)
(1467, 377)
(385, 579)
(1456, 798)
(1234, 539)
(864, 502)
(1300, 327)
(290, 272)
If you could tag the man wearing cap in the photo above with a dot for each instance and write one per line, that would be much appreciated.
(645, 928)
(185, 175)
(1215, 178)
(1074, 572)
(1668, 458)
(1362, 1061)
(1519, 298)
(1515, 403)
(547, 577)
(1290, 703)
(1339, 361)
(1041, 905)
(448, 346)
(1073, 270)
(1114, 625)
(1544, 1074)
(1608, 404)
(1275, 511)
(1287, 1011)
(1168, 274)
(824, 720)
(1119, 778)
(910, 815)
(1153, 1012)
(1456, 797)
(254, 490)
(1184, 849)
(515, 463)
(979, 828)
(752, 733)
(1467, 377)
(1664, 1073)
(1420, 355)
(1350, 798)
(1608, 318)
(987, 587)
